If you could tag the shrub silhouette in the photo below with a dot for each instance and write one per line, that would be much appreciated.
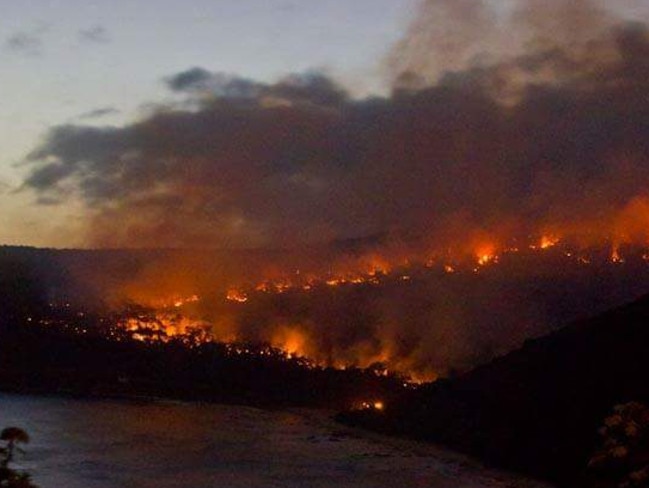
(623, 458)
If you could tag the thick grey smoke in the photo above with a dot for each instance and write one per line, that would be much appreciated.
(254, 164)
(451, 36)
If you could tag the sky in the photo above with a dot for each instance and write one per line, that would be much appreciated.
(277, 123)
(102, 63)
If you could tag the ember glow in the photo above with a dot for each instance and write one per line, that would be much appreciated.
(376, 405)
(235, 295)
(485, 257)
(546, 242)
(615, 256)
(291, 340)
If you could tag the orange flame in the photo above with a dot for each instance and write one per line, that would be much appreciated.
(547, 241)
(290, 340)
(486, 254)
(236, 295)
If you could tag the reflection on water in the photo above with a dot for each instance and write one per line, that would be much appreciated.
(110, 444)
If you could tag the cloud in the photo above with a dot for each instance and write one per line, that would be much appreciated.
(98, 113)
(201, 81)
(190, 79)
(48, 176)
(27, 43)
(313, 87)
(95, 34)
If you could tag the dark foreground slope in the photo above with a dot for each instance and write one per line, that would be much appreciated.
(34, 359)
(537, 409)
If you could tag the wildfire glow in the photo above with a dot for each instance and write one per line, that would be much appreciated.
(236, 295)
(546, 242)
(163, 327)
(616, 257)
(485, 253)
(175, 301)
(376, 405)
(291, 340)
(484, 259)
(168, 319)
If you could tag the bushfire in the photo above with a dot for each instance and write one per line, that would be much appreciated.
(334, 314)
(377, 270)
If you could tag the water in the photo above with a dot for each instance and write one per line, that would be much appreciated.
(111, 444)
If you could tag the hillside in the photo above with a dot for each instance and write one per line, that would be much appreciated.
(537, 409)
(348, 307)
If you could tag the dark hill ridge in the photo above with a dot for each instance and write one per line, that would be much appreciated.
(537, 409)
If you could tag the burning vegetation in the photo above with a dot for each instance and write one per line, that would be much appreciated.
(416, 315)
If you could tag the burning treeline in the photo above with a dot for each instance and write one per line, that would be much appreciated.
(366, 308)
(505, 130)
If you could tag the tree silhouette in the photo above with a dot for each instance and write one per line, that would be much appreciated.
(12, 436)
(11, 478)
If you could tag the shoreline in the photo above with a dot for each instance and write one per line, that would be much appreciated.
(420, 448)
(364, 452)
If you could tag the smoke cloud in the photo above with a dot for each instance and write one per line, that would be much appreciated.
(550, 132)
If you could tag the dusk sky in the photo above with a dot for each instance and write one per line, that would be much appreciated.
(95, 62)
(137, 114)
